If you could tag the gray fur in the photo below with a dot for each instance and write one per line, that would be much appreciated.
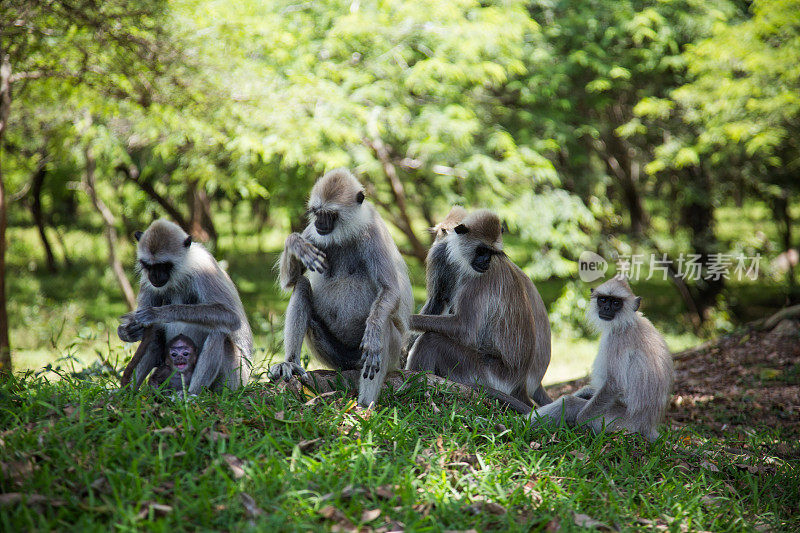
(487, 338)
(351, 293)
(200, 301)
(632, 375)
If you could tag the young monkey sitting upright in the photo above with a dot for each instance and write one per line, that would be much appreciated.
(632, 374)
(178, 366)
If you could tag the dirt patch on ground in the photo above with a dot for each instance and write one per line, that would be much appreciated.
(736, 384)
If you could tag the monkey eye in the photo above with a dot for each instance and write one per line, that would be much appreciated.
(616, 303)
(602, 299)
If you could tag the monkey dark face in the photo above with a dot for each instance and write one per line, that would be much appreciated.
(182, 355)
(609, 306)
(325, 221)
(482, 259)
(158, 273)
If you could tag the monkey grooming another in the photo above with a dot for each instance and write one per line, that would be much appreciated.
(498, 331)
(442, 274)
(183, 290)
(353, 305)
(178, 365)
(632, 374)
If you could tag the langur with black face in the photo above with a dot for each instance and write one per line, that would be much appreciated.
(351, 295)
(496, 332)
(632, 374)
(183, 290)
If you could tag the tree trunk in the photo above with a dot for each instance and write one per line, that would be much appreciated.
(699, 217)
(201, 225)
(111, 233)
(38, 217)
(5, 108)
(131, 173)
(418, 249)
(616, 155)
(784, 219)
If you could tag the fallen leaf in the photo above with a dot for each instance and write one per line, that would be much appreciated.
(250, 507)
(315, 399)
(235, 465)
(709, 466)
(158, 509)
(750, 468)
(578, 455)
(178, 454)
(278, 415)
(529, 491)
(369, 516)
(488, 507)
(101, 485)
(169, 430)
(69, 410)
(214, 436)
(385, 492)
(583, 520)
(309, 445)
(553, 526)
(500, 428)
(535, 445)
(12, 498)
(330, 512)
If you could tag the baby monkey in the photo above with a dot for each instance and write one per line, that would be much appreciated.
(178, 366)
(632, 374)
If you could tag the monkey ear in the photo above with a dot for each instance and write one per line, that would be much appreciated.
(637, 302)
(187, 242)
(138, 235)
(591, 291)
(360, 197)
(504, 227)
(461, 229)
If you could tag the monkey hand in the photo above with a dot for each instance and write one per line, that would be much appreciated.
(146, 316)
(312, 257)
(285, 370)
(370, 354)
(129, 329)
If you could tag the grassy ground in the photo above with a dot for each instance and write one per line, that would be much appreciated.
(76, 455)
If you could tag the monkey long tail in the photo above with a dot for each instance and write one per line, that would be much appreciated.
(328, 380)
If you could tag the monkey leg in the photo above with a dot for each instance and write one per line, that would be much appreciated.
(541, 397)
(372, 378)
(298, 314)
(149, 354)
(564, 409)
(209, 362)
(585, 392)
(444, 357)
(235, 368)
(329, 349)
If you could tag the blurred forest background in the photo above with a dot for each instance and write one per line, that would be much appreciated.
(616, 126)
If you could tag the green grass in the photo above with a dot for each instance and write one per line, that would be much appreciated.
(90, 459)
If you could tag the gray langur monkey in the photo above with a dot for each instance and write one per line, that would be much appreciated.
(183, 290)
(632, 375)
(351, 294)
(497, 333)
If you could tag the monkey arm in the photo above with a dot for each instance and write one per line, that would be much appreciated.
(372, 341)
(297, 256)
(600, 403)
(215, 316)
